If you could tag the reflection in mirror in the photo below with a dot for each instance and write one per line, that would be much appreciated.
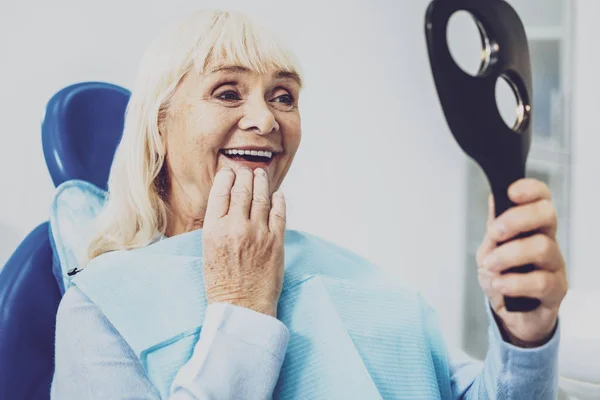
(468, 43)
(509, 103)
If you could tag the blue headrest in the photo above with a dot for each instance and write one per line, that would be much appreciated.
(82, 127)
(29, 299)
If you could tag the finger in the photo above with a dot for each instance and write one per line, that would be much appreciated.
(487, 245)
(543, 285)
(219, 196)
(538, 216)
(485, 248)
(241, 194)
(261, 204)
(277, 216)
(539, 250)
(527, 190)
(486, 278)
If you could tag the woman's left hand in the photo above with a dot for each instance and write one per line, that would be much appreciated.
(533, 212)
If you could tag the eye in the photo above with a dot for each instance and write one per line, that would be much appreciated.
(285, 99)
(282, 98)
(229, 95)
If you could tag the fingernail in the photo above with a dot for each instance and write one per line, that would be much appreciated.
(259, 171)
(278, 193)
(515, 190)
(226, 169)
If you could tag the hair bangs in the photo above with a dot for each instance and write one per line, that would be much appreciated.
(234, 40)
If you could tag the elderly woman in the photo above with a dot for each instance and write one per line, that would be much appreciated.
(188, 294)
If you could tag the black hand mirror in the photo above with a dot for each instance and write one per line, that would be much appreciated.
(469, 101)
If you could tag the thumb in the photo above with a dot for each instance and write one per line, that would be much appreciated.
(487, 245)
(491, 210)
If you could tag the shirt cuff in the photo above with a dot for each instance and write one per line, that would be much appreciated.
(544, 357)
(239, 355)
(248, 326)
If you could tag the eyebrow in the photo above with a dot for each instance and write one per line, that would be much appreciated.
(228, 68)
(289, 75)
(238, 68)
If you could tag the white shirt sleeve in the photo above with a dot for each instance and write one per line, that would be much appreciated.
(239, 355)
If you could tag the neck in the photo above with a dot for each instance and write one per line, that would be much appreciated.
(184, 214)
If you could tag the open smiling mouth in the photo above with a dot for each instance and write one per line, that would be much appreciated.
(249, 156)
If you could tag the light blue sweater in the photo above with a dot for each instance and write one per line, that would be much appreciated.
(239, 356)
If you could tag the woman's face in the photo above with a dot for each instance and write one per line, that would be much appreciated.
(230, 116)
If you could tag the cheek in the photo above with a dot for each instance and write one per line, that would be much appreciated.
(192, 146)
(292, 134)
(211, 126)
(202, 131)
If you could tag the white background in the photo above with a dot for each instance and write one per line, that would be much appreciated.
(378, 170)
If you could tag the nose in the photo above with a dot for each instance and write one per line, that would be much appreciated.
(258, 117)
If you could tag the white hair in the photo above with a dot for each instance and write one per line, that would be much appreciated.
(135, 211)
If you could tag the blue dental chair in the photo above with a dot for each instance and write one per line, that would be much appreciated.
(82, 127)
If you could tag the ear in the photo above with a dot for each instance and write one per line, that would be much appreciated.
(161, 182)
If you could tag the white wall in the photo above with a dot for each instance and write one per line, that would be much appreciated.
(585, 224)
(377, 172)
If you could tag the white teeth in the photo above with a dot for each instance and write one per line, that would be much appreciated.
(261, 153)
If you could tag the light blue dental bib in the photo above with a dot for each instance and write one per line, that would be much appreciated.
(352, 334)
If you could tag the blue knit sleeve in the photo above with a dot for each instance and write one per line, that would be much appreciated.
(508, 372)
